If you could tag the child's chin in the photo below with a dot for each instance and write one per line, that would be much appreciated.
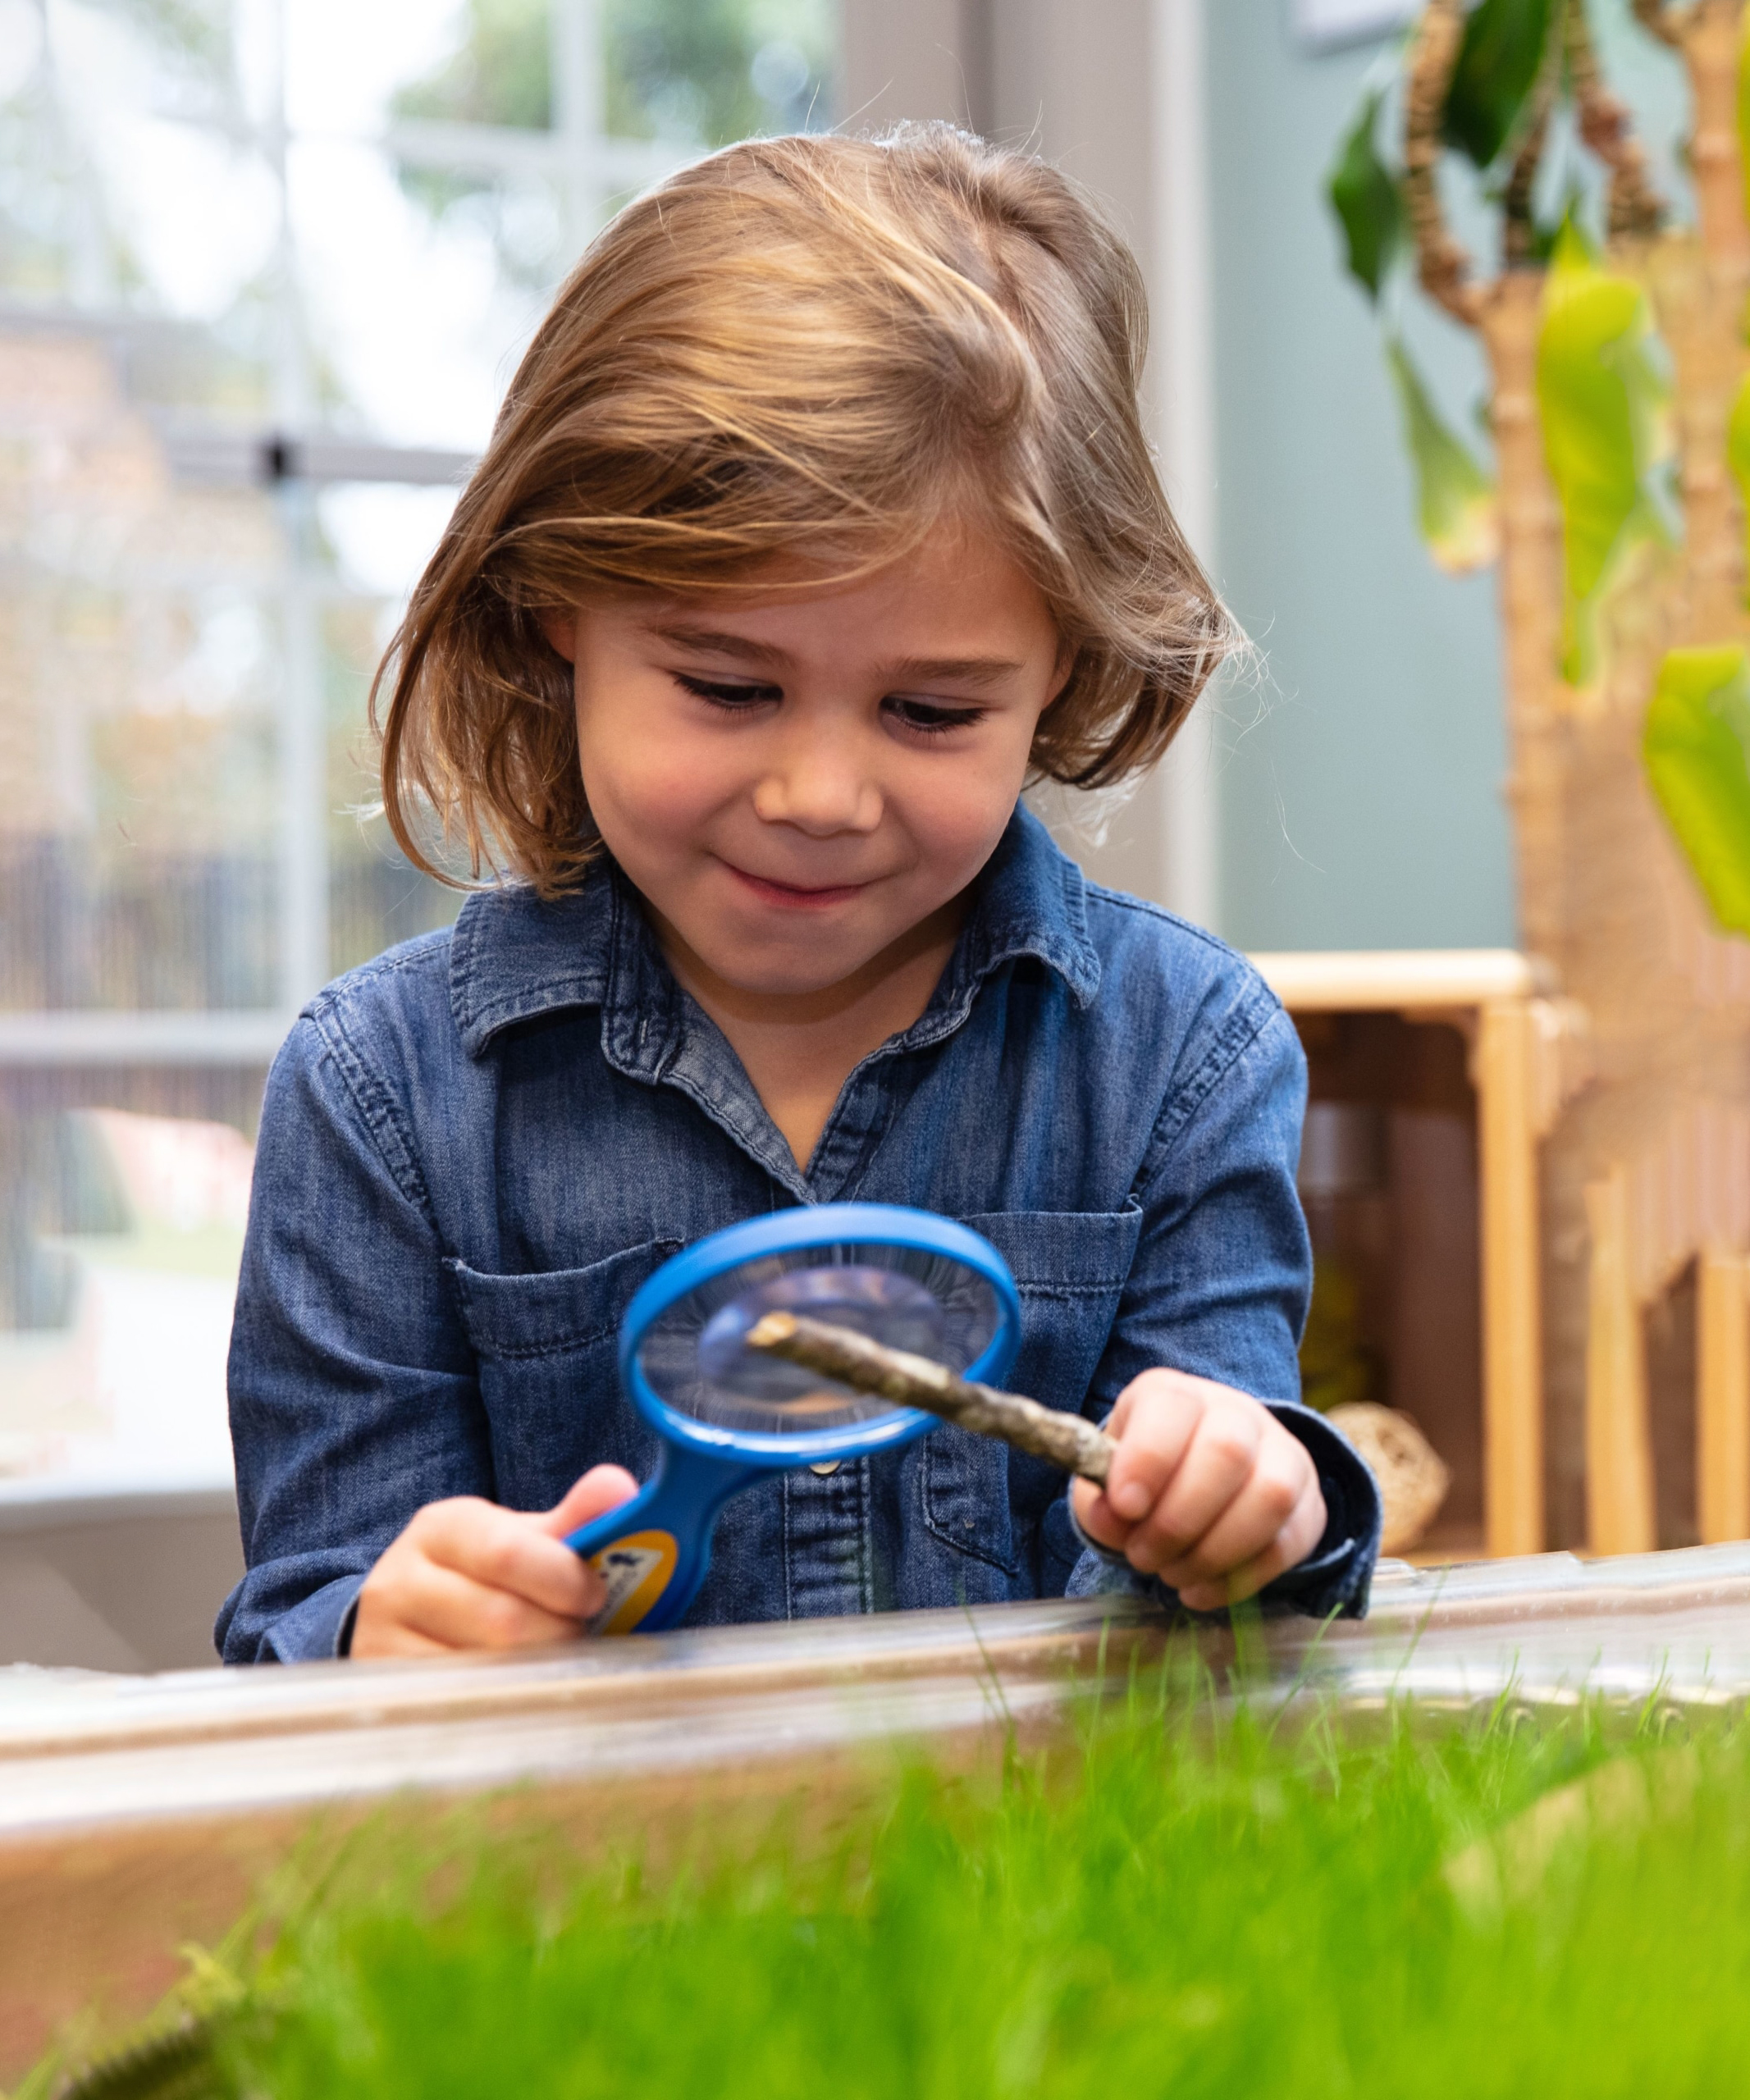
(771, 973)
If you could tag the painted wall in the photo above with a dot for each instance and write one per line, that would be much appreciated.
(1361, 773)
(1361, 776)
(1357, 779)
(1112, 91)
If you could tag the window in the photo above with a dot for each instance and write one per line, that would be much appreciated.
(264, 269)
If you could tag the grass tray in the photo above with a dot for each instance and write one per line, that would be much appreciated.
(1174, 1899)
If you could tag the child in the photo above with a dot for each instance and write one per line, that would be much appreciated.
(818, 520)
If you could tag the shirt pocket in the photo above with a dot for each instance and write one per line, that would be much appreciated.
(1070, 1268)
(546, 1344)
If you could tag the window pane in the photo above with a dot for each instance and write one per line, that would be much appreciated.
(418, 304)
(708, 71)
(265, 267)
(139, 654)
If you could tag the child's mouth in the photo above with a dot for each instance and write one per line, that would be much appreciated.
(796, 895)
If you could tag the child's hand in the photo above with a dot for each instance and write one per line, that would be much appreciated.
(1207, 1490)
(467, 1574)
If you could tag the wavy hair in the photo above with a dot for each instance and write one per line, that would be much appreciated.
(808, 345)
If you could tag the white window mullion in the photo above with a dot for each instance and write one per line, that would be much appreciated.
(579, 113)
(303, 957)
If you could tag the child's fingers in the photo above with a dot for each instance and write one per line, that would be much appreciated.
(1292, 1545)
(602, 1488)
(1094, 1513)
(1153, 1425)
(375, 1640)
(505, 1550)
(467, 1574)
(1280, 1473)
(455, 1611)
(1210, 1475)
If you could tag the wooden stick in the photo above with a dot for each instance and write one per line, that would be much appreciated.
(1722, 1396)
(1607, 128)
(1518, 225)
(1442, 265)
(1665, 22)
(1620, 1499)
(1505, 1070)
(852, 1359)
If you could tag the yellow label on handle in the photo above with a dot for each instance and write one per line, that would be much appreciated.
(636, 1570)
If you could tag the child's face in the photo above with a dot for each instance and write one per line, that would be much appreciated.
(797, 783)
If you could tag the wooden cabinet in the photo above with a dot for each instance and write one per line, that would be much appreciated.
(1465, 1065)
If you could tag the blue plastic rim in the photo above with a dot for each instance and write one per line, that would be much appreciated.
(827, 1229)
(912, 1277)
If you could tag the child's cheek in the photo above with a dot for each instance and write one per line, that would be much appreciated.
(671, 794)
(957, 815)
(655, 790)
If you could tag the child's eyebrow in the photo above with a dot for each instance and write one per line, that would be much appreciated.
(963, 670)
(719, 643)
(974, 670)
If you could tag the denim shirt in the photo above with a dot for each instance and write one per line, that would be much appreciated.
(474, 1149)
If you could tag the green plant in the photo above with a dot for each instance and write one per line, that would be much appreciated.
(1180, 1906)
(1694, 745)
(1568, 322)
(1602, 397)
(1483, 85)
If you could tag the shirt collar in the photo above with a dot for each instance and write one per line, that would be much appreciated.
(514, 958)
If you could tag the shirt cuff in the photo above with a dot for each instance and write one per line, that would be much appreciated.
(1336, 1576)
(320, 1629)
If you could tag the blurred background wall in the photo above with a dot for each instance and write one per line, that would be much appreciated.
(1344, 792)
(1360, 784)
(265, 266)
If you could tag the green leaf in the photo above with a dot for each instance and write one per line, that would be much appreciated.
(1743, 108)
(1694, 748)
(1738, 449)
(1603, 402)
(1455, 497)
(1497, 67)
(1365, 196)
(1546, 232)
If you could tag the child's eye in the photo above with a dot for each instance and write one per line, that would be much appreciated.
(729, 693)
(930, 717)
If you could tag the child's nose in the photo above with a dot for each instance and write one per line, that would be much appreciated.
(819, 790)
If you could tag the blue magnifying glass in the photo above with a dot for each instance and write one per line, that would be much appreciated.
(728, 1416)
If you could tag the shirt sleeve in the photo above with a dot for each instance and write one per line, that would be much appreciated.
(1220, 1287)
(354, 1398)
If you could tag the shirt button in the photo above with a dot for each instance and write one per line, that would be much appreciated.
(831, 1465)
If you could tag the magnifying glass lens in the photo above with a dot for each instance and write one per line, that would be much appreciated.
(694, 1358)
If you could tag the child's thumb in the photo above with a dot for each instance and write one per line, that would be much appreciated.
(602, 1488)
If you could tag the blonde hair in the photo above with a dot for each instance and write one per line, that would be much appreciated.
(818, 345)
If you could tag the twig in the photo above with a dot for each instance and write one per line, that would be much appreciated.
(849, 1358)
(1660, 19)
(1442, 265)
(1607, 128)
(1518, 226)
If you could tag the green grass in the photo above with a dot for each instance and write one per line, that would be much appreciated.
(1177, 1908)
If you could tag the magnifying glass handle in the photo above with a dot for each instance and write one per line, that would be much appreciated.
(654, 1551)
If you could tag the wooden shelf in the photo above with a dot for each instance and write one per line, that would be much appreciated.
(1395, 980)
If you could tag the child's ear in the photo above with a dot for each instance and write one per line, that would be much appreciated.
(561, 632)
(1061, 670)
